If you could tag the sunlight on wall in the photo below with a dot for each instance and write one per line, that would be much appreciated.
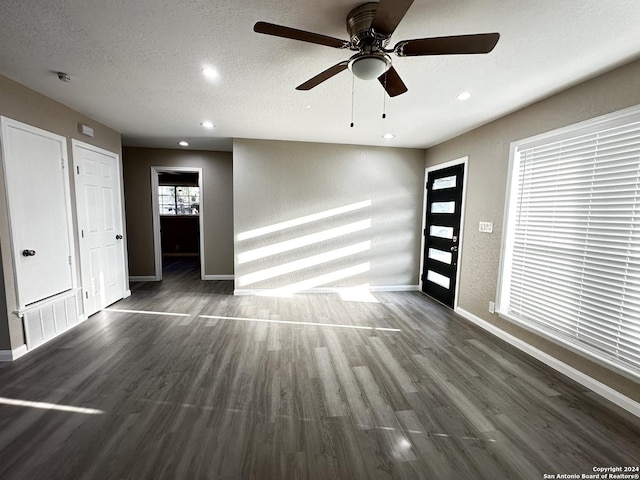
(310, 283)
(303, 263)
(303, 241)
(283, 266)
(276, 227)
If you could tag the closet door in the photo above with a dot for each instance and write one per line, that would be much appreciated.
(37, 187)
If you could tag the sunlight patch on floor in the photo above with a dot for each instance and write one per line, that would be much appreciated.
(49, 406)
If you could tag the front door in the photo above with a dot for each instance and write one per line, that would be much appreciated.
(442, 233)
(100, 226)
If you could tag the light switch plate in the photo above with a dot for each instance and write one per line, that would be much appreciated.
(486, 227)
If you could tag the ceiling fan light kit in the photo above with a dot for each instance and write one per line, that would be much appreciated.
(370, 27)
(369, 67)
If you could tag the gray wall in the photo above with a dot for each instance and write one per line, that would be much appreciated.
(217, 168)
(276, 181)
(25, 105)
(488, 150)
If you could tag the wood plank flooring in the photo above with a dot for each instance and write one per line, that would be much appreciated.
(213, 386)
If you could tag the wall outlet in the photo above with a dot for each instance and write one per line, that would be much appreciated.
(492, 307)
(486, 227)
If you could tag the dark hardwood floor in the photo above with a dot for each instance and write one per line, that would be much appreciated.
(182, 380)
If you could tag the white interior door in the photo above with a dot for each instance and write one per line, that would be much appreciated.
(100, 223)
(37, 187)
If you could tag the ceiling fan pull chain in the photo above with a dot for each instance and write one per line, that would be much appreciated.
(384, 97)
(353, 88)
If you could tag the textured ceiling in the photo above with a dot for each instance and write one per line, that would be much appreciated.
(136, 65)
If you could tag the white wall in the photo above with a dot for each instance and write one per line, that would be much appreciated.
(275, 182)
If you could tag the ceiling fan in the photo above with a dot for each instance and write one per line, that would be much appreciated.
(370, 27)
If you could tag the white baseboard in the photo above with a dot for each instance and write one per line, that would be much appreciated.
(143, 278)
(396, 288)
(592, 384)
(219, 277)
(11, 355)
(276, 292)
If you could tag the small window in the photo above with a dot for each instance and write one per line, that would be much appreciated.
(179, 200)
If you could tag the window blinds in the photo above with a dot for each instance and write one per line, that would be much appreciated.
(573, 236)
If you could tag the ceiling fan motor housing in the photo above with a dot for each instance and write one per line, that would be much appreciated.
(363, 38)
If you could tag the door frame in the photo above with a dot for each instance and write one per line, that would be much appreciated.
(155, 207)
(451, 163)
(5, 124)
(120, 198)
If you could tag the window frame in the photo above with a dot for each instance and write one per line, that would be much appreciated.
(175, 196)
(600, 123)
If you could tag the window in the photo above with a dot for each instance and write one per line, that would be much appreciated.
(179, 200)
(571, 256)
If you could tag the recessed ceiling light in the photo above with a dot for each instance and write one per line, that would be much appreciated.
(182, 143)
(207, 124)
(464, 96)
(388, 136)
(307, 106)
(210, 72)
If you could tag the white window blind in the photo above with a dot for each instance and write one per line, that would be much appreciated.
(571, 265)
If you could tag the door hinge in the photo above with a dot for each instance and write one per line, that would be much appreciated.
(62, 162)
(422, 277)
(82, 233)
(86, 294)
(424, 232)
(69, 259)
(78, 169)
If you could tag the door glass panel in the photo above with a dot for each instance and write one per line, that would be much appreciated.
(443, 207)
(444, 182)
(441, 232)
(438, 279)
(440, 255)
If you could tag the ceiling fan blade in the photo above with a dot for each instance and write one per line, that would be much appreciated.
(392, 82)
(302, 35)
(455, 45)
(321, 77)
(388, 15)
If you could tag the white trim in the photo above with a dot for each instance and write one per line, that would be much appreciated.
(11, 355)
(219, 277)
(451, 163)
(592, 384)
(142, 278)
(279, 292)
(155, 207)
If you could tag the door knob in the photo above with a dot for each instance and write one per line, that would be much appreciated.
(454, 248)
(28, 253)
(118, 237)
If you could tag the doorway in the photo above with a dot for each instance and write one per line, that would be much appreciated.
(178, 215)
(444, 213)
